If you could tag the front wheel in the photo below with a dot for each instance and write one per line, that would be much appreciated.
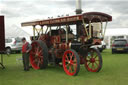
(71, 62)
(93, 60)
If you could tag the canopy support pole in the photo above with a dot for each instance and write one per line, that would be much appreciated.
(90, 31)
(42, 29)
(34, 33)
(85, 27)
(66, 33)
(105, 29)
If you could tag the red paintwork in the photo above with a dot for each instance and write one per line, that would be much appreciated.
(60, 48)
(55, 39)
(71, 63)
(36, 56)
(24, 47)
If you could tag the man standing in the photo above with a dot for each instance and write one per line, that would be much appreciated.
(25, 54)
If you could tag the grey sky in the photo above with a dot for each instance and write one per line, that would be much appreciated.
(17, 11)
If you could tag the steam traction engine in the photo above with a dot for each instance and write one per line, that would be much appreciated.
(59, 44)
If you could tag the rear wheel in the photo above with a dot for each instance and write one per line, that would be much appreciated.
(93, 60)
(39, 55)
(71, 62)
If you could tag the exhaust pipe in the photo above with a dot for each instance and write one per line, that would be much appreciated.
(78, 7)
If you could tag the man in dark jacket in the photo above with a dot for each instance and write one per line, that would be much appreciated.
(25, 54)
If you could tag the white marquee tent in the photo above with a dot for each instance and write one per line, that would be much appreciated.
(116, 31)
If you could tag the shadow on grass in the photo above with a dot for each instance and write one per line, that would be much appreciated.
(82, 73)
(13, 67)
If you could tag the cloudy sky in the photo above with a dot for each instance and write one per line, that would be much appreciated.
(17, 11)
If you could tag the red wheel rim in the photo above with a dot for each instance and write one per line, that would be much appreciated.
(69, 63)
(92, 61)
(36, 55)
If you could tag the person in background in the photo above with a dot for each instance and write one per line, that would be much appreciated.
(25, 53)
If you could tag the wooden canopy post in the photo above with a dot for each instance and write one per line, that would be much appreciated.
(90, 31)
(34, 33)
(85, 27)
(50, 31)
(66, 33)
(105, 29)
(42, 29)
(101, 28)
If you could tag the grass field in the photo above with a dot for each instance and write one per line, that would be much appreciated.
(114, 72)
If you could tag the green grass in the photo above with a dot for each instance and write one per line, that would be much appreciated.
(113, 72)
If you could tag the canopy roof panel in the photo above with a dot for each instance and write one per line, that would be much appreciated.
(89, 16)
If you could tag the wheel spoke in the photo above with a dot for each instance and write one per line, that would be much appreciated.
(67, 65)
(96, 63)
(32, 53)
(38, 63)
(41, 56)
(41, 59)
(66, 61)
(35, 57)
(96, 56)
(93, 67)
(35, 49)
(87, 60)
(89, 63)
(71, 56)
(34, 61)
(40, 53)
(70, 68)
(67, 57)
